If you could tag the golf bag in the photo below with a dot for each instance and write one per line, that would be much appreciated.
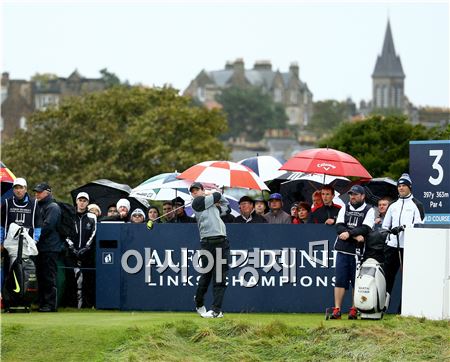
(20, 288)
(370, 297)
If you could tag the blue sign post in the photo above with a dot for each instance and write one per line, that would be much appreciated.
(430, 172)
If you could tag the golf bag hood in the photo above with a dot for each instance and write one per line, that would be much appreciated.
(11, 243)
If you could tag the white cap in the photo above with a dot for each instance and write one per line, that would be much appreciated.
(123, 202)
(20, 181)
(83, 194)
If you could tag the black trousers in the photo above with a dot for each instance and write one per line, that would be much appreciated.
(391, 265)
(46, 269)
(79, 291)
(219, 286)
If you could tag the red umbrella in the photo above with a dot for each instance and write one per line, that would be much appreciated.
(326, 161)
(6, 180)
(224, 173)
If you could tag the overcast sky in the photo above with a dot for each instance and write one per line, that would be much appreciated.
(335, 43)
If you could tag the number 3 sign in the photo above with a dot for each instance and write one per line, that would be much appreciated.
(429, 165)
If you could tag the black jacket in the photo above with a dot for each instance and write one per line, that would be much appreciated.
(86, 227)
(321, 214)
(50, 241)
(182, 219)
(253, 219)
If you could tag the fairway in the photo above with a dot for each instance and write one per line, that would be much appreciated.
(72, 335)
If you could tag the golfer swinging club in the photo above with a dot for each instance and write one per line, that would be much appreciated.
(213, 239)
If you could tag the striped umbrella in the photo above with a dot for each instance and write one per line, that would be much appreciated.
(266, 167)
(165, 186)
(224, 174)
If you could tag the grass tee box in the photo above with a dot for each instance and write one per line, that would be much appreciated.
(72, 335)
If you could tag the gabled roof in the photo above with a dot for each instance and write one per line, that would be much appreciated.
(388, 63)
(256, 77)
(220, 77)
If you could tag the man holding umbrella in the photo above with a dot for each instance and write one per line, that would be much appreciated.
(213, 236)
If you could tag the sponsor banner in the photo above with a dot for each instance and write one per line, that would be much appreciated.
(272, 268)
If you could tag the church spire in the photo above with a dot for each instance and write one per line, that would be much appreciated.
(388, 63)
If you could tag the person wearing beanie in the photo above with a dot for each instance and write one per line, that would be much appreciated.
(406, 212)
(123, 212)
(95, 209)
(137, 216)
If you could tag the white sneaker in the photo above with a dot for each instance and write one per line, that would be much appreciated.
(212, 314)
(201, 310)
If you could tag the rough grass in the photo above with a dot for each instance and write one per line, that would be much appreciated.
(150, 336)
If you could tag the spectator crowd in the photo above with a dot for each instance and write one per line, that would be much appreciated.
(74, 252)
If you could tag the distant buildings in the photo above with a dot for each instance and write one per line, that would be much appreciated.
(285, 88)
(20, 98)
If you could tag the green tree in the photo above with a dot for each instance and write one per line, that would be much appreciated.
(250, 112)
(327, 115)
(381, 144)
(109, 78)
(126, 134)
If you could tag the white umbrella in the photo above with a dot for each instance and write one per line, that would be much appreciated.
(161, 187)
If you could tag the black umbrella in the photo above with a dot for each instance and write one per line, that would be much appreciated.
(106, 192)
(376, 189)
(381, 187)
(300, 186)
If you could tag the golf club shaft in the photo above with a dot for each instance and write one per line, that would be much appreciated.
(167, 213)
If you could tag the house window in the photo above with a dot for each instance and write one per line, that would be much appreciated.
(305, 119)
(305, 98)
(293, 97)
(23, 123)
(201, 94)
(277, 95)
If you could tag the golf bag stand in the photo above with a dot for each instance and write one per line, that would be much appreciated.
(20, 288)
(370, 297)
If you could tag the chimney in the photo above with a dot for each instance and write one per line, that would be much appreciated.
(294, 69)
(228, 65)
(262, 65)
(5, 78)
(238, 65)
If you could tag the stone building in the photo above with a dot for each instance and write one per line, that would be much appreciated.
(20, 98)
(285, 88)
(388, 78)
(388, 82)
